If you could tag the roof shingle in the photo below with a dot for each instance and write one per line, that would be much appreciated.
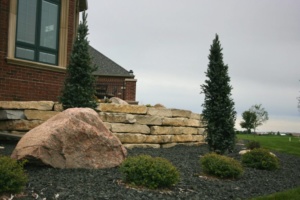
(105, 66)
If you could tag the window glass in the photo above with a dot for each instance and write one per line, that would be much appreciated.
(47, 58)
(48, 31)
(26, 21)
(25, 53)
(37, 30)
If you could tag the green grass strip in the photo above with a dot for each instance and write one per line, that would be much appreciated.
(283, 144)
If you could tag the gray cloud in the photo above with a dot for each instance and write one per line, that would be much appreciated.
(166, 43)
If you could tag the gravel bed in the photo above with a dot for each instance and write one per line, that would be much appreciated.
(72, 184)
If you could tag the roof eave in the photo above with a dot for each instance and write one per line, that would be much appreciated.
(114, 75)
(83, 5)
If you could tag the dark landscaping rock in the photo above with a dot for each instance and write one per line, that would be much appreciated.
(77, 184)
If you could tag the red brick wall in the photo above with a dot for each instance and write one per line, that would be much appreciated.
(25, 83)
(109, 79)
(20, 83)
(116, 83)
(130, 90)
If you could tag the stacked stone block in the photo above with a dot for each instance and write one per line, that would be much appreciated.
(141, 126)
(134, 125)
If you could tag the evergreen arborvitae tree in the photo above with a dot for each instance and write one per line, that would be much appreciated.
(79, 88)
(218, 108)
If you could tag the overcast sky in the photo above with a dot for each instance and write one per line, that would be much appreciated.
(166, 43)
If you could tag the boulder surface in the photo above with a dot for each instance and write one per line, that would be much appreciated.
(74, 138)
(117, 100)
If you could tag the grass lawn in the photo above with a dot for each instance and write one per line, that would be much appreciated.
(284, 144)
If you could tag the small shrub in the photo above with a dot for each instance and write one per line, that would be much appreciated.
(221, 166)
(12, 176)
(260, 159)
(253, 145)
(150, 172)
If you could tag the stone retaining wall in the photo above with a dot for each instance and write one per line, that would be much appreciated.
(134, 125)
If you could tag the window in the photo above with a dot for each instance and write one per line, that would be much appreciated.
(37, 31)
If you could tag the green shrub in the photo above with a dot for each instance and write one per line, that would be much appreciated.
(12, 176)
(148, 171)
(260, 159)
(253, 145)
(221, 166)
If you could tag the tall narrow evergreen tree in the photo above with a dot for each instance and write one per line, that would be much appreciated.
(79, 86)
(218, 108)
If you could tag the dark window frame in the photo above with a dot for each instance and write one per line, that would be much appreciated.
(37, 48)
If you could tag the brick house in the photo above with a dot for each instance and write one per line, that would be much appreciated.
(114, 79)
(36, 39)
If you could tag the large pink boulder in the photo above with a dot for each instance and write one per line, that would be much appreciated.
(74, 138)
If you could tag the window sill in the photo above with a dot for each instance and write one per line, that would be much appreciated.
(36, 65)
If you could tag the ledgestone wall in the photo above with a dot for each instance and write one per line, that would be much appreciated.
(134, 125)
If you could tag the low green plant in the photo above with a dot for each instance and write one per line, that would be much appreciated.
(260, 159)
(221, 166)
(292, 194)
(12, 175)
(253, 145)
(151, 172)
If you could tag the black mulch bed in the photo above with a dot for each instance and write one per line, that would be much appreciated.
(83, 184)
